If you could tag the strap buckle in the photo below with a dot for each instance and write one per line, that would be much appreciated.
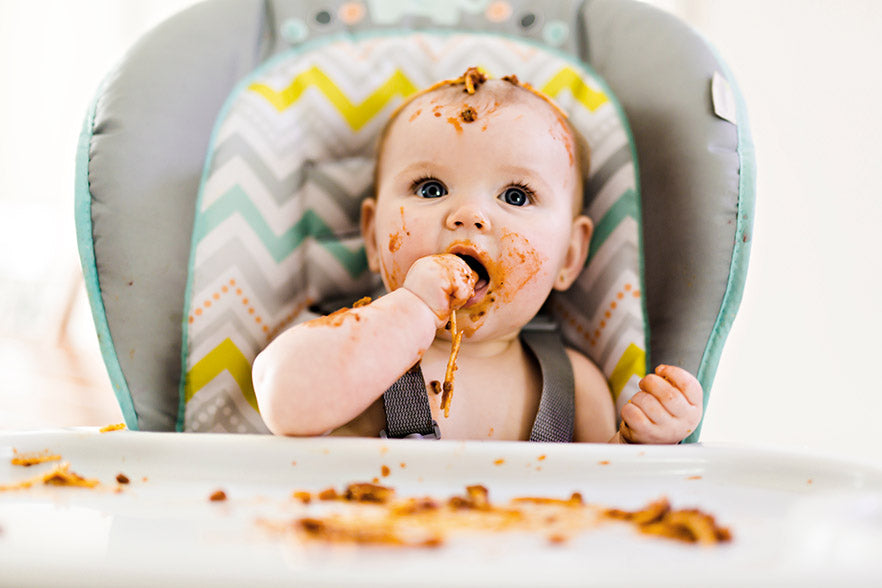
(435, 434)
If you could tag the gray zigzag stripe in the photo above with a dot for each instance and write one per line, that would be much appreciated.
(611, 166)
(282, 189)
(233, 255)
(589, 300)
(221, 399)
(227, 321)
(349, 204)
(229, 259)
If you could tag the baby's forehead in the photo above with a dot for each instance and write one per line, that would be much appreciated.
(492, 95)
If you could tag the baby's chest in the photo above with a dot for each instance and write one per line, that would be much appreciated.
(490, 399)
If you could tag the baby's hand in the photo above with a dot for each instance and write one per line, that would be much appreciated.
(666, 409)
(443, 281)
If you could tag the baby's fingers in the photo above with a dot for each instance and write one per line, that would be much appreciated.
(670, 399)
(638, 426)
(685, 382)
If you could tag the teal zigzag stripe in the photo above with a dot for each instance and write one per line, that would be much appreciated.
(235, 200)
(625, 206)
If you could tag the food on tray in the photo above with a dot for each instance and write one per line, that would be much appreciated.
(60, 475)
(218, 496)
(375, 516)
(690, 525)
(122, 479)
(32, 458)
(109, 428)
(368, 493)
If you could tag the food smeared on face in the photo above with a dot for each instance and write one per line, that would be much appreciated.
(516, 244)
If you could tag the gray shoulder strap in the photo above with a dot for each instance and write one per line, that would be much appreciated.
(555, 419)
(408, 413)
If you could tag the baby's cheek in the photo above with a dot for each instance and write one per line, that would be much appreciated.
(520, 265)
(398, 236)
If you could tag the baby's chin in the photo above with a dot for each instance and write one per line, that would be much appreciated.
(485, 325)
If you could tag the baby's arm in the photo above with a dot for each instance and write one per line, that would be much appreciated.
(595, 411)
(667, 408)
(321, 374)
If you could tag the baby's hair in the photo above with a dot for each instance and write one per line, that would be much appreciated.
(471, 81)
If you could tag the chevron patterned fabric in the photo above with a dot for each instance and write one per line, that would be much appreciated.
(291, 159)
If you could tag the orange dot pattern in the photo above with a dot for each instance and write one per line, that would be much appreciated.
(593, 335)
(229, 287)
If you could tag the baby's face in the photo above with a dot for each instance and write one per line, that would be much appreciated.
(502, 189)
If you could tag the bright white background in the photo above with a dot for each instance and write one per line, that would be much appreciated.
(800, 366)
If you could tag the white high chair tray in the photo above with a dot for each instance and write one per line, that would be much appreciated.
(796, 518)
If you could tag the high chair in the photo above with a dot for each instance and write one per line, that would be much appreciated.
(222, 163)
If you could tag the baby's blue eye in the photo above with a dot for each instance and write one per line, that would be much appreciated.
(515, 196)
(431, 189)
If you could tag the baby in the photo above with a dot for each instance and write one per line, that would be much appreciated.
(477, 213)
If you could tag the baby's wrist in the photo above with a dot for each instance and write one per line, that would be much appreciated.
(436, 318)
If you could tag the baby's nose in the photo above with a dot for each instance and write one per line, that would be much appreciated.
(468, 215)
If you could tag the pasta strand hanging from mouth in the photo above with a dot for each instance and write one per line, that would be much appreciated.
(447, 387)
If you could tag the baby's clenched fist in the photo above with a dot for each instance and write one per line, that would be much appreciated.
(443, 281)
(667, 408)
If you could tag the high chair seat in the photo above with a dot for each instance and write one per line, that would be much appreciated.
(161, 113)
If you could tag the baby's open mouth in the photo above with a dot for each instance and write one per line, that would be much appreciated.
(478, 268)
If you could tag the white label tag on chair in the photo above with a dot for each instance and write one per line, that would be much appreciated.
(723, 99)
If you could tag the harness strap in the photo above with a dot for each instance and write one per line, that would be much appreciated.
(408, 413)
(555, 419)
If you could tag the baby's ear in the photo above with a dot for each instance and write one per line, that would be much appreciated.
(577, 252)
(368, 225)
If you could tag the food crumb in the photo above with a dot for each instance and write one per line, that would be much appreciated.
(541, 457)
(115, 427)
(694, 478)
(218, 496)
(32, 458)
(402, 465)
(302, 496)
(328, 494)
(385, 471)
(499, 462)
(435, 385)
(122, 479)
(603, 462)
(364, 301)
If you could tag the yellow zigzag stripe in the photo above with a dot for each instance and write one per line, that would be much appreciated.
(632, 362)
(355, 115)
(225, 356)
(569, 78)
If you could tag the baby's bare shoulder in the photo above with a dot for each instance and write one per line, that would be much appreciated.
(595, 410)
